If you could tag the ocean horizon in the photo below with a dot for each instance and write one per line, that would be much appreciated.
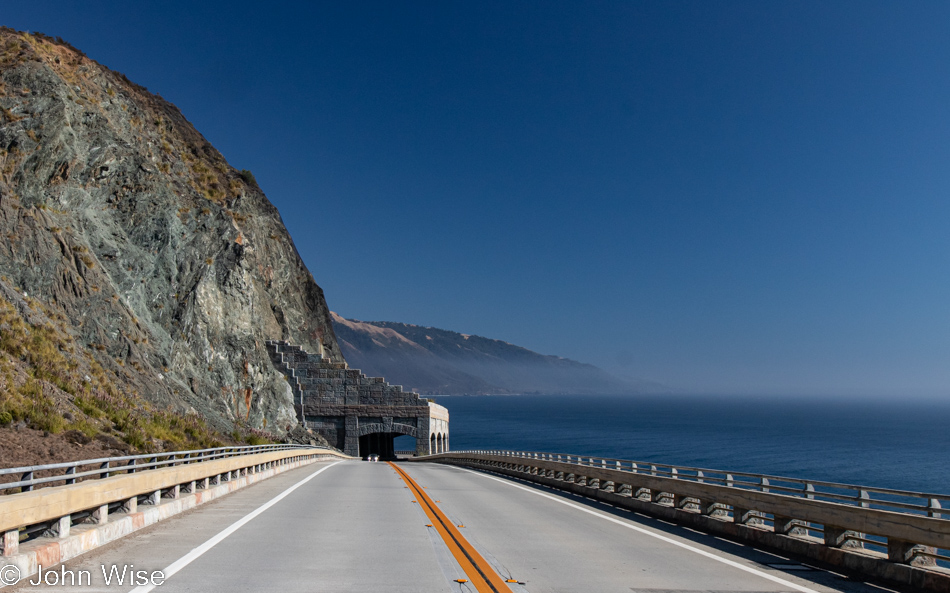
(878, 443)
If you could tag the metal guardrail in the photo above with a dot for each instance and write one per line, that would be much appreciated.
(897, 532)
(71, 495)
(902, 501)
(105, 467)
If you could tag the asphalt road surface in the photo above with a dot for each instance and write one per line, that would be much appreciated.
(354, 526)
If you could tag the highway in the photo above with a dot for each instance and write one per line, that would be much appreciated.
(355, 526)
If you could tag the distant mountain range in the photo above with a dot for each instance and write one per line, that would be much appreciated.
(440, 362)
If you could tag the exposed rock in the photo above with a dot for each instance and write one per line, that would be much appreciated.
(167, 264)
(77, 438)
(113, 443)
(305, 436)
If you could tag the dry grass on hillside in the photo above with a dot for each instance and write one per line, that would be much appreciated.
(49, 384)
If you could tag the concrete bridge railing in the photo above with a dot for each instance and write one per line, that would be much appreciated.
(896, 535)
(50, 513)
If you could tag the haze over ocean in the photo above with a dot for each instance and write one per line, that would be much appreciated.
(887, 444)
(730, 197)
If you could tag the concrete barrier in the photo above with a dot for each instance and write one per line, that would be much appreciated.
(120, 505)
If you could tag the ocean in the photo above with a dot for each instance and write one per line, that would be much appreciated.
(902, 444)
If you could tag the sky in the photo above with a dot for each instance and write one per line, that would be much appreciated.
(723, 197)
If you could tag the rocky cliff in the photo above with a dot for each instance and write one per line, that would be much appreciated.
(166, 265)
(435, 361)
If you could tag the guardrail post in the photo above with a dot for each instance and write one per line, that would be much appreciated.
(836, 537)
(71, 470)
(131, 466)
(205, 483)
(101, 515)
(11, 542)
(699, 476)
(786, 525)
(906, 553)
(175, 491)
(131, 505)
(104, 475)
(739, 515)
(60, 528)
(192, 486)
(155, 498)
(932, 507)
(23, 478)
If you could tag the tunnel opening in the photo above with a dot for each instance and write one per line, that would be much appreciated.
(378, 443)
(404, 445)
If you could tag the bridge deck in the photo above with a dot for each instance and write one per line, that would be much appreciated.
(355, 527)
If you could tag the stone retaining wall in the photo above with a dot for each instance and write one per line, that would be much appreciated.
(343, 404)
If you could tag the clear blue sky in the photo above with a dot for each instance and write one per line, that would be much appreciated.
(720, 196)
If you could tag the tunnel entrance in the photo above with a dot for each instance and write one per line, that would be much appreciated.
(380, 443)
(343, 405)
(405, 445)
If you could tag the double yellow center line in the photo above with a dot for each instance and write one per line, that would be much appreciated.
(478, 570)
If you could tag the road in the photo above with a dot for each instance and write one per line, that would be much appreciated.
(357, 527)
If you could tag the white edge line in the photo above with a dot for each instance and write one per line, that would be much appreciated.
(193, 555)
(668, 540)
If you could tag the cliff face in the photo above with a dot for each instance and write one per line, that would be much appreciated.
(169, 266)
(436, 361)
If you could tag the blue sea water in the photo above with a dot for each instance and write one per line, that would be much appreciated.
(889, 444)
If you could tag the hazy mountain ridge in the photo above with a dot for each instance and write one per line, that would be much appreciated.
(436, 361)
(166, 265)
